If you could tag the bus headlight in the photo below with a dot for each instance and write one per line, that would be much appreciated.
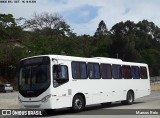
(45, 99)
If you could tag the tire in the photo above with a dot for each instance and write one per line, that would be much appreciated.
(106, 104)
(78, 103)
(49, 111)
(130, 98)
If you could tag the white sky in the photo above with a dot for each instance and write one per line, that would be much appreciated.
(84, 15)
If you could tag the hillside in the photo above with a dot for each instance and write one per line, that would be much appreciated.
(3, 81)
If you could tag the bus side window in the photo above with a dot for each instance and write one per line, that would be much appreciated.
(135, 72)
(116, 71)
(79, 70)
(64, 72)
(94, 70)
(126, 72)
(60, 72)
(60, 75)
(143, 73)
(106, 71)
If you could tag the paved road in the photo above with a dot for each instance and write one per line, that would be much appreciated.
(9, 101)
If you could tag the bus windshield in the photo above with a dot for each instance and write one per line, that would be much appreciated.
(34, 78)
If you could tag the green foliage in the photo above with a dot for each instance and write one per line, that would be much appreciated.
(129, 41)
(151, 57)
(9, 59)
(8, 27)
(101, 30)
(137, 42)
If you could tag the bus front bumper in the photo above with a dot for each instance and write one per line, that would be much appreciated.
(47, 102)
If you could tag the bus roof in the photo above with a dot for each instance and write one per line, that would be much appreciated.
(93, 59)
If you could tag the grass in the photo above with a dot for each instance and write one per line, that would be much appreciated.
(155, 87)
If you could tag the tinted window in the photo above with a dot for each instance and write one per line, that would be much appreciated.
(83, 70)
(63, 74)
(79, 70)
(60, 75)
(143, 73)
(126, 72)
(34, 77)
(106, 71)
(35, 60)
(116, 71)
(94, 70)
(135, 72)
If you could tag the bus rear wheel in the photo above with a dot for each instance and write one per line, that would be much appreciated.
(78, 103)
(130, 98)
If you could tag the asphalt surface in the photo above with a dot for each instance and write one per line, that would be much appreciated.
(143, 105)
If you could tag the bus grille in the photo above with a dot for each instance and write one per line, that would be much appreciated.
(32, 106)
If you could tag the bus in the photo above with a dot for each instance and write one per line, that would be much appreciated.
(52, 82)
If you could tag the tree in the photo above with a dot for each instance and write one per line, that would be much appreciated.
(8, 27)
(137, 42)
(48, 24)
(123, 44)
(148, 35)
(10, 56)
(151, 57)
(101, 30)
(101, 40)
(49, 34)
(83, 45)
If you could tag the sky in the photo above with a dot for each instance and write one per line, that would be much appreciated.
(84, 15)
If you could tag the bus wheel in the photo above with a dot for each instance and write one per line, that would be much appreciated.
(49, 111)
(78, 103)
(130, 98)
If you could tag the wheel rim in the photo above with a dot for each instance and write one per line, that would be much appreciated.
(78, 104)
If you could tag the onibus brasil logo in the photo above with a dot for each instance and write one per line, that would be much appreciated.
(22, 112)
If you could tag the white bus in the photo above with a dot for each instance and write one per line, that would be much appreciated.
(54, 81)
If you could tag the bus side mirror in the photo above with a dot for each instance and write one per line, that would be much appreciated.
(57, 68)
